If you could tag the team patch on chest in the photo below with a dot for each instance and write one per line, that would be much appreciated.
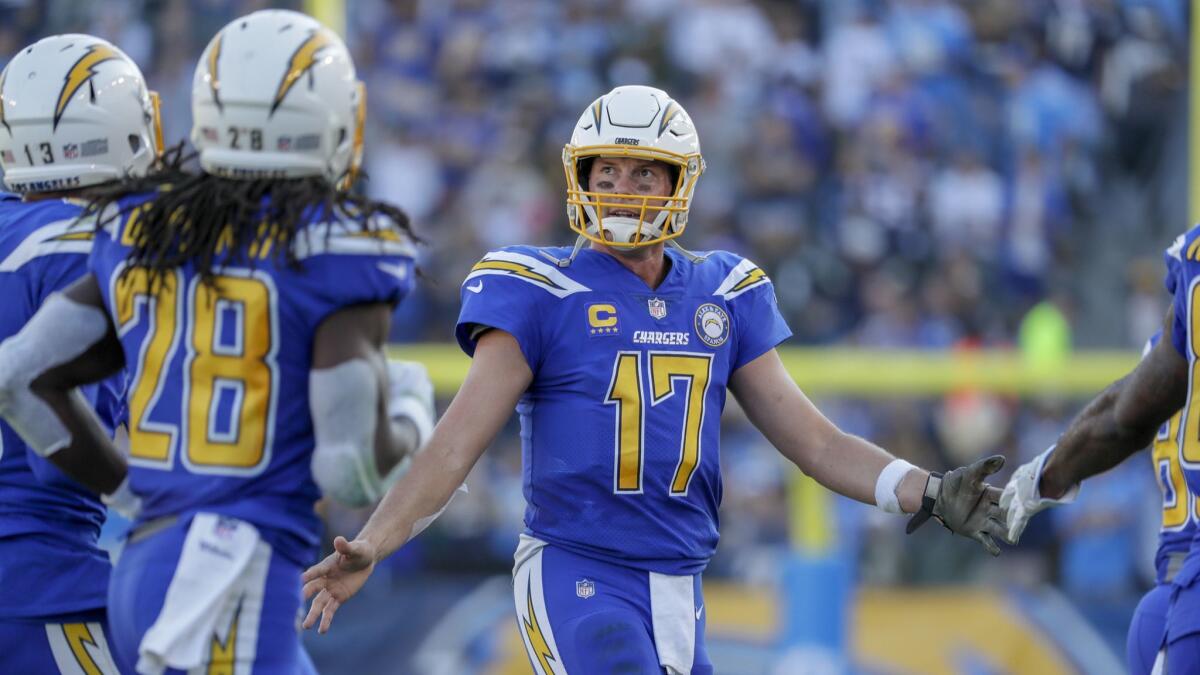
(712, 325)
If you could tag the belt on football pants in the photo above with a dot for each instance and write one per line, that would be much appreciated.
(1174, 564)
(153, 527)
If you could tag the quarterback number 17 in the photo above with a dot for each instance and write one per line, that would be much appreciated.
(668, 370)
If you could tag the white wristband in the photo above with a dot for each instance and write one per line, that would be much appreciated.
(889, 480)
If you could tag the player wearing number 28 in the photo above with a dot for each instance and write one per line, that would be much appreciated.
(617, 357)
(251, 303)
(74, 114)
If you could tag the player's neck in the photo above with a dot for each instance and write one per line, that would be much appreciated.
(649, 263)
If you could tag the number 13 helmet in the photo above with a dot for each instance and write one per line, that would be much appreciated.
(644, 123)
(275, 95)
(74, 112)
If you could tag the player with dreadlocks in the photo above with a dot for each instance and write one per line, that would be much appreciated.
(251, 303)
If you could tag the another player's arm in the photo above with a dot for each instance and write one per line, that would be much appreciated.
(1120, 421)
(1113, 426)
(357, 441)
(498, 376)
(855, 467)
(70, 342)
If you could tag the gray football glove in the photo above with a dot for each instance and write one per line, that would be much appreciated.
(965, 504)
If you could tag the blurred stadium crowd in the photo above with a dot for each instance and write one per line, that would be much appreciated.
(911, 173)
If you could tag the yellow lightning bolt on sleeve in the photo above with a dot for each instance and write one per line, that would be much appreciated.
(83, 70)
(515, 268)
(536, 639)
(301, 62)
(756, 275)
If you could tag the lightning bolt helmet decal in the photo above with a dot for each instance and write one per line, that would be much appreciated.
(214, 58)
(3, 121)
(302, 61)
(81, 73)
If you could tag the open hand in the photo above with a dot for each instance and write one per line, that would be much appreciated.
(1022, 498)
(336, 579)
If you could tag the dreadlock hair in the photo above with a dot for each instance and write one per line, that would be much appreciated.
(209, 220)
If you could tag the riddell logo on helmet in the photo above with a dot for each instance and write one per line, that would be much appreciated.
(626, 141)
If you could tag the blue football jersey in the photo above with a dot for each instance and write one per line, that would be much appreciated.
(1180, 509)
(1183, 274)
(49, 524)
(620, 426)
(218, 405)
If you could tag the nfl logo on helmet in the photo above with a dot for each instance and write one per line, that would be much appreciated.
(658, 307)
(585, 588)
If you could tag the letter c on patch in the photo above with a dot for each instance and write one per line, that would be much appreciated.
(602, 316)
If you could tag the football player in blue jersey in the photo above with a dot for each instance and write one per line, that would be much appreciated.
(1180, 509)
(617, 357)
(1130, 414)
(251, 303)
(75, 113)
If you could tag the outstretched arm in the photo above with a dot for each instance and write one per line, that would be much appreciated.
(844, 463)
(857, 468)
(1121, 420)
(1116, 424)
(498, 377)
(68, 343)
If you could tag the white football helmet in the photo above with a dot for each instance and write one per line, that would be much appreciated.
(632, 121)
(275, 96)
(75, 111)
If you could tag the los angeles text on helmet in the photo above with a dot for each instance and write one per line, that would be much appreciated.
(80, 110)
(45, 185)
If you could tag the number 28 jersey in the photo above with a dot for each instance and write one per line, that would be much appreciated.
(620, 425)
(218, 404)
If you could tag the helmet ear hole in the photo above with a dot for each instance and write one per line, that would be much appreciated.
(585, 170)
(342, 134)
(135, 143)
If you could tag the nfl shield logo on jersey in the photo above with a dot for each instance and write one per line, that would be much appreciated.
(658, 307)
(585, 588)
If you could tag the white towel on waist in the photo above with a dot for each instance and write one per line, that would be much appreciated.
(674, 617)
(216, 552)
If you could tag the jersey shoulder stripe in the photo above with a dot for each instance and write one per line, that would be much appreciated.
(61, 236)
(1175, 250)
(528, 269)
(743, 277)
(350, 238)
(337, 237)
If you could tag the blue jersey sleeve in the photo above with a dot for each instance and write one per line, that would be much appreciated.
(760, 326)
(503, 291)
(756, 319)
(344, 264)
(1177, 285)
(502, 304)
(53, 273)
(344, 280)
